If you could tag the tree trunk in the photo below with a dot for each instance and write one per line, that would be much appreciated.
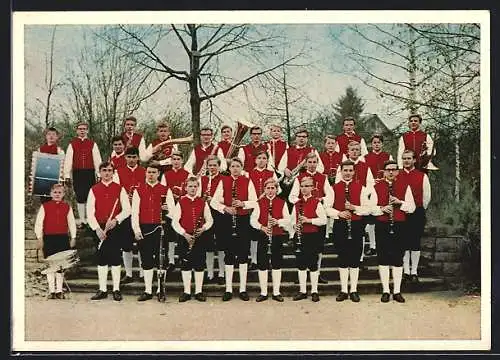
(194, 99)
(287, 112)
(457, 169)
(412, 69)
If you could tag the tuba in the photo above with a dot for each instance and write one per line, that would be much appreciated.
(159, 155)
(241, 129)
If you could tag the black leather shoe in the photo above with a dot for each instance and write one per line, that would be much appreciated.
(414, 279)
(99, 295)
(161, 297)
(145, 296)
(244, 296)
(252, 267)
(184, 297)
(354, 297)
(117, 295)
(261, 298)
(300, 296)
(385, 297)
(126, 280)
(209, 280)
(322, 280)
(398, 297)
(221, 280)
(406, 278)
(51, 296)
(227, 296)
(341, 296)
(315, 297)
(59, 295)
(278, 298)
(200, 297)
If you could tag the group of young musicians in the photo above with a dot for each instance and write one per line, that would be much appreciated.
(235, 208)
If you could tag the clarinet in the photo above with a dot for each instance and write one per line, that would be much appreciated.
(298, 228)
(196, 235)
(349, 224)
(269, 227)
(161, 258)
(391, 214)
(233, 194)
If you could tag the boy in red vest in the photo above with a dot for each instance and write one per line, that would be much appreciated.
(199, 154)
(82, 166)
(158, 152)
(349, 135)
(276, 145)
(130, 177)
(191, 219)
(226, 138)
(308, 216)
(131, 138)
(249, 152)
(350, 204)
(421, 189)
(392, 200)
(330, 158)
(271, 217)
(414, 140)
(117, 157)
(54, 219)
(50, 147)
(107, 206)
(233, 198)
(216, 233)
(150, 198)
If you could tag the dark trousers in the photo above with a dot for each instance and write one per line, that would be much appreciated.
(127, 235)
(215, 232)
(110, 251)
(276, 251)
(149, 247)
(53, 244)
(170, 233)
(415, 229)
(194, 259)
(390, 246)
(307, 258)
(83, 180)
(349, 250)
(236, 247)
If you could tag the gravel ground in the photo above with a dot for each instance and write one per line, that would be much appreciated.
(430, 316)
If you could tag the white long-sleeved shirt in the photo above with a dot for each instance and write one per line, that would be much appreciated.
(327, 200)
(284, 161)
(124, 202)
(285, 223)
(41, 216)
(148, 154)
(136, 206)
(408, 205)
(370, 181)
(217, 201)
(320, 220)
(191, 161)
(401, 149)
(68, 160)
(177, 215)
(365, 207)
(426, 191)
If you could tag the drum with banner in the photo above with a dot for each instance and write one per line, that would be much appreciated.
(46, 170)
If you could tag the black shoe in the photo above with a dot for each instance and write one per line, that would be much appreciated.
(244, 296)
(221, 280)
(385, 297)
(126, 280)
(261, 298)
(414, 279)
(371, 252)
(51, 296)
(322, 280)
(300, 296)
(406, 278)
(117, 295)
(184, 297)
(170, 268)
(398, 297)
(354, 297)
(227, 296)
(341, 296)
(252, 267)
(278, 298)
(59, 295)
(208, 280)
(161, 297)
(315, 297)
(100, 295)
(145, 296)
(200, 297)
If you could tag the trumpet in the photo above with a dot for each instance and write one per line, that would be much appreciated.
(349, 224)
(269, 227)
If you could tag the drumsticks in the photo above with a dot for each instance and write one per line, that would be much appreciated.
(106, 228)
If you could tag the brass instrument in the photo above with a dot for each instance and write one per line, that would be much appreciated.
(298, 227)
(295, 172)
(241, 129)
(349, 224)
(425, 160)
(159, 155)
(269, 227)
(391, 214)
(233, 195)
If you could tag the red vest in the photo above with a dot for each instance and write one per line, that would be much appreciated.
(415, 179)
(259, 178)
(191, 213)
(277, 149)
(131, 142)
(413, 141)
(176, 180)
(361, 172)
(251, 152)
(48, 149)
(309, 211)
(131, 179)
(376, 163)
(200, 155)
(354, 196)
(295, 156)
(213, 184)
(82, 153)
(398, 190)
(276, 212)
(331, 160)
(343, 140)
(319, 183)
(118, 162)
(151, 201)
(165, 149)
(105, 197)
(224, 145)
(241, 188)
(55, 221)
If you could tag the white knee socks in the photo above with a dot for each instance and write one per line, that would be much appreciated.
(263, 282)
(127, 262)
(229, 269)
(148, 281)
(302, 281)
(186, 281)
(115, 276)
(243, 268)
(344, 278)
(81, 212)
(51, 279)
(406, 262)
(171, 253)
(253, 251)
(314, 275)
(220, 261)
(198, 281)
(276, 276)
(384, 277)
(354, 274)
(415, 257)
(210, 264)
(59, 282)
(397, 275)
(102, 274)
